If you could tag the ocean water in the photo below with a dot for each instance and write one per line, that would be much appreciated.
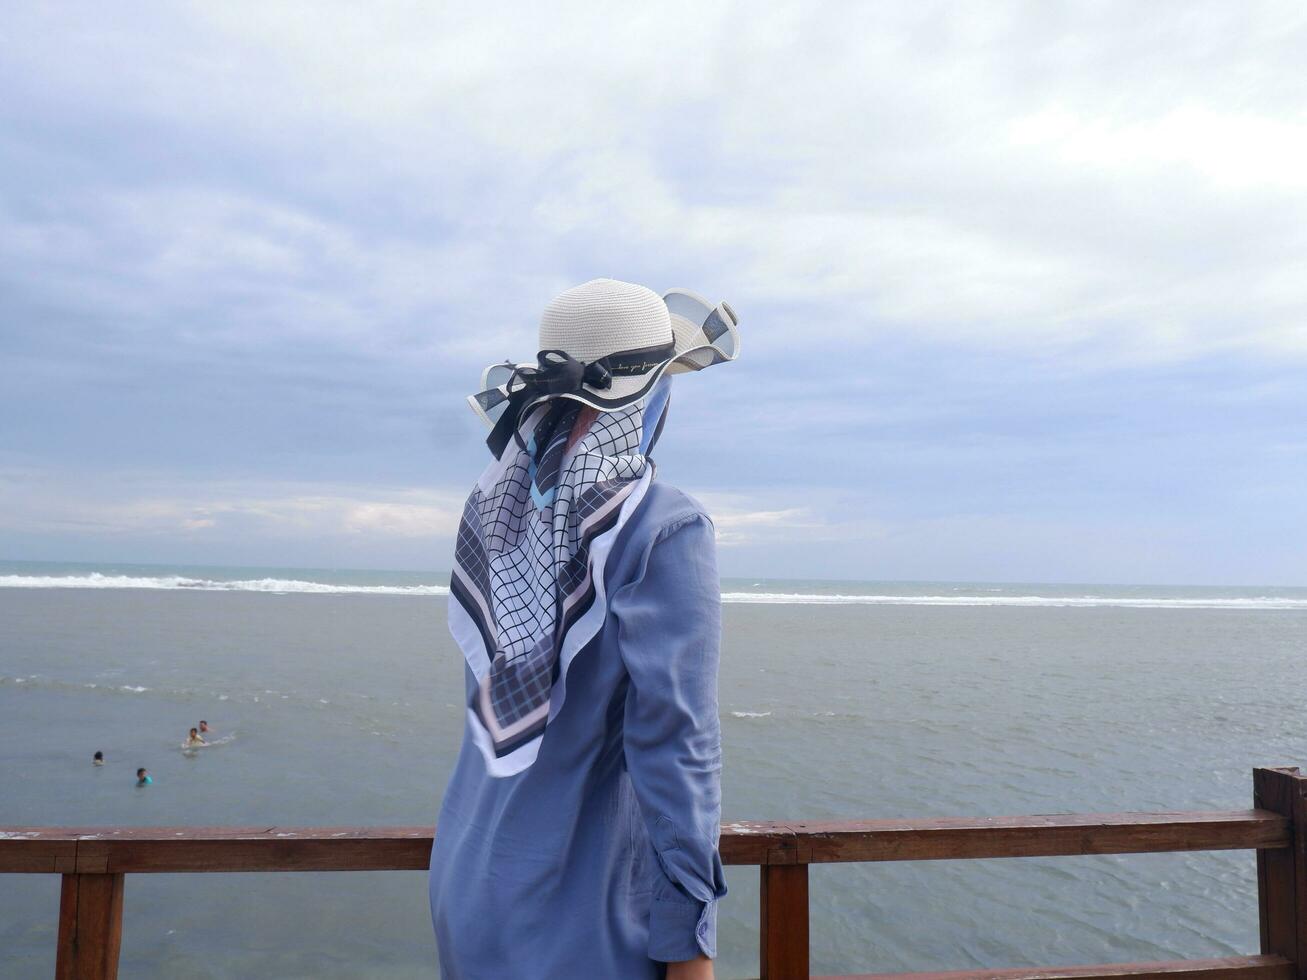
(337, 697)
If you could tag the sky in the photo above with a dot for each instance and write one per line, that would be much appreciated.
(1022, 286)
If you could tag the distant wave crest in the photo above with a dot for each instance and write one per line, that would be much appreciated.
(96, 580)
(1138, 602)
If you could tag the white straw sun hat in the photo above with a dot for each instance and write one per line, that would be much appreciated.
(606, 343)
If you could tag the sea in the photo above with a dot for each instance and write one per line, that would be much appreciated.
(334, 697)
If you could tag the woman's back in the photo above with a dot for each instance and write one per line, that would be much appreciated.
(600, 859)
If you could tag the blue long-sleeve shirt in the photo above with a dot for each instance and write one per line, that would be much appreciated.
(600, 860)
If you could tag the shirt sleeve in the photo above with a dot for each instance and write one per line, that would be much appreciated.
(669, 634)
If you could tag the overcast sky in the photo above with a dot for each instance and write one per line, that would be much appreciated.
(1022, 286)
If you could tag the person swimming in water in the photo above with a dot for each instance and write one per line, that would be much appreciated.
(98, 759)
(193, 740)
(204, 727)
(143, 777)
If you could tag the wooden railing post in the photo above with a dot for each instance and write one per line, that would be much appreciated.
(784, 922)
(1282, 872)
(90, 927)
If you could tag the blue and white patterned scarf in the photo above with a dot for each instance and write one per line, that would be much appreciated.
(527, 589)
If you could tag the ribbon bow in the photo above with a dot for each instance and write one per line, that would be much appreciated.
(557, 373)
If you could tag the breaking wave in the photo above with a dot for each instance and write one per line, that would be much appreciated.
(96, 580)
(1137, 602)
(281, 586)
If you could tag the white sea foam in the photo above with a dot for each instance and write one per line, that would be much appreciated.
(209, 744)
(751, 714)
(96, 580)
(1137, 602)
(983, 597)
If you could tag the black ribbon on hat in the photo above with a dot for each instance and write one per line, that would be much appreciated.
(557, 373)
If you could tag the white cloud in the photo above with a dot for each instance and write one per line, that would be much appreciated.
(120, 508)
(404, 519)
(756, 519)
(1006, 175)
(736, 527)
(1233, 151)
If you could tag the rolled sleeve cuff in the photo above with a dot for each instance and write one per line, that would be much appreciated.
(682, 930)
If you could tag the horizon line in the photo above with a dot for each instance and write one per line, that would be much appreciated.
(771, 578)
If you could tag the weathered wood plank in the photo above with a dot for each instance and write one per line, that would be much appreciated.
(1224, 968)
(33, 850)
(90, 927)
(341, 854)
(783, 922)
(994, 837)
(260, 849)
(101, 850)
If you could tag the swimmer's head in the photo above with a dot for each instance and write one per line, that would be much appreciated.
(204, 725)
(98, 757)
(142, 773)
(194, 732)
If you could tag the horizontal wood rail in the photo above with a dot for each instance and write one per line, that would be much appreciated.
(93, 861)
(142, 850)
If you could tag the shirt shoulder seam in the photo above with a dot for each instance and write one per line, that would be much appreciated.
(679, 521)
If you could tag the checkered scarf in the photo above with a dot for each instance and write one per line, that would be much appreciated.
(527, 588)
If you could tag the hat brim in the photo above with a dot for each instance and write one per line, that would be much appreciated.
(703, 335)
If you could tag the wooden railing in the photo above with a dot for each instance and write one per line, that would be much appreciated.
(94, 861)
